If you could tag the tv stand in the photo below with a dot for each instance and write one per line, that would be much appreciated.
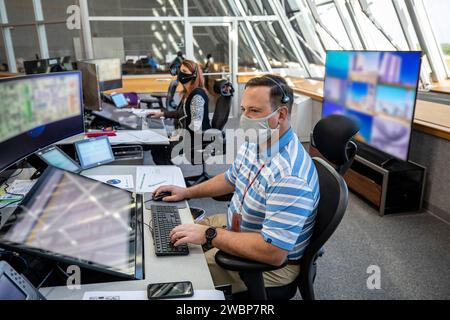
(389, 184)
(386, 162)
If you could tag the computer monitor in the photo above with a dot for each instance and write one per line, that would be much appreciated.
(75, 220)
(37, 111)
(109, 73)
(40, 66)
(378, 89)
(91, 90)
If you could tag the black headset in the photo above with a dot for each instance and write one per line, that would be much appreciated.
(285, 98)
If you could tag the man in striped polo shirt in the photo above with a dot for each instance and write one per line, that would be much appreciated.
(276, 192)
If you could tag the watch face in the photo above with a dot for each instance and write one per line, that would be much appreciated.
(211, 232)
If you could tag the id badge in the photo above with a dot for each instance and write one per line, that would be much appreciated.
(236, 222)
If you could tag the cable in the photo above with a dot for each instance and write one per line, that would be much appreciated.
(4, 255)
(149, 227)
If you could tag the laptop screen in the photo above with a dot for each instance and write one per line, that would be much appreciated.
(78, 220)
(119, 100)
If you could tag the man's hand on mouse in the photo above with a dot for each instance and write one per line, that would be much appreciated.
(177, 193)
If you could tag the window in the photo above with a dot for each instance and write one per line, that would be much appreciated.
(203, 8)
(438, 15)
(257, 7)
(275, 44)
(132, 41)
(26, 45)
(19, 11)
(151, 8)
(61, 41)
(247, 62)
(330, 18)
(56, 10)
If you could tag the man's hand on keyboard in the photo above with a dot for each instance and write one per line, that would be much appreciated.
(177, 193)
(188, 233)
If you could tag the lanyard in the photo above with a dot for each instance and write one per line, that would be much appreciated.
(250, 185)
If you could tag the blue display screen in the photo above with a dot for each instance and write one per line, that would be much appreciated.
(378, 90)
(9, 291)
(58, 159)
(94, 152)
(119, 100)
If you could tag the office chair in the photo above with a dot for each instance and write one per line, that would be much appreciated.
(332, 205)
(157, 99)
(332, 136)
(220, 117)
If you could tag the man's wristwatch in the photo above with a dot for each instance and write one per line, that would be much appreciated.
(210, 234)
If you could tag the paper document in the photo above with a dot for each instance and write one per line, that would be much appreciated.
(137, 136)
(12, 196)
(119, 181)
(139, 112)
(142, 295)
(149, 178)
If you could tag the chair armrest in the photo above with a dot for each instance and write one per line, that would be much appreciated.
(226, 197)
(233, 263)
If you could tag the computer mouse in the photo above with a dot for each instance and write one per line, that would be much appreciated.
(161, 196)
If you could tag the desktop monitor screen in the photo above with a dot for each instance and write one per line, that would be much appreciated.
(91, 89)
(70, 218)
(378, 90)
(37, 111)
(109, 73)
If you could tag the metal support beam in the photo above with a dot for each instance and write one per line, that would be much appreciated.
(6, 32)
(409, 37)
(252, 38)
(42, 35)
(290, 35)
(430, 48)
(368, 13)
(346, 24)
(86, 35)
(352, 14)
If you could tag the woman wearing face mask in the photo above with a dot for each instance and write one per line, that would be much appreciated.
(192, 112)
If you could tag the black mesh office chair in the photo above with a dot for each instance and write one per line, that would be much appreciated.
(332, 206)
(156, 102)
(332, 136)
(220, 117)
(331, 209)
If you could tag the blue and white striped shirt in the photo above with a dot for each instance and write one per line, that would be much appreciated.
(282, 202)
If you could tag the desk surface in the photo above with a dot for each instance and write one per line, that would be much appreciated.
(192, 267)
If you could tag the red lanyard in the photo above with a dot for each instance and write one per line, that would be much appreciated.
(250, 185)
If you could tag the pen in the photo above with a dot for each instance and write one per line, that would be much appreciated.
(155, 184)
(142, 182)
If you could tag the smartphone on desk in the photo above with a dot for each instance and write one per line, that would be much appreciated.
(169, 290)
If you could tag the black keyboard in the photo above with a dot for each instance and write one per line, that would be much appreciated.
(164, 219)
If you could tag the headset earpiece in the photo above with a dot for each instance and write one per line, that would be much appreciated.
(285, 98)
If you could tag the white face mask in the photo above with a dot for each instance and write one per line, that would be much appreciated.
(259, 128)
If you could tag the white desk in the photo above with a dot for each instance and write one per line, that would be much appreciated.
(192, 267)
(153, 137)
